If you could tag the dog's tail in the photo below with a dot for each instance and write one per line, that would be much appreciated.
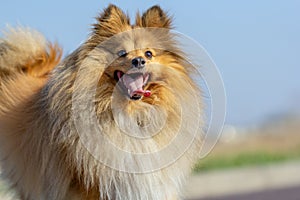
(26, 51)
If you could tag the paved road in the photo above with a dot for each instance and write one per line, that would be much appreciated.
(292, 193)
(250, 181)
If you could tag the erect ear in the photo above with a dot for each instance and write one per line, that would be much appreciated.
(154, 17)
(112, 21)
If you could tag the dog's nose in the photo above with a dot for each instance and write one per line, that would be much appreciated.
(138, 62)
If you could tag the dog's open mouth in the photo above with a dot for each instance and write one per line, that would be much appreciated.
(133, 84)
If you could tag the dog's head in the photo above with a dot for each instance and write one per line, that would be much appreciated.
(144, 62)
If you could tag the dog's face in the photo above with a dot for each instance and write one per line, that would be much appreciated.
(142, 73)
(132, 72)
(146, 63)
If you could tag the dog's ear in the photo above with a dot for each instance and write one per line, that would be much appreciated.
(154, 17)
(111, 21)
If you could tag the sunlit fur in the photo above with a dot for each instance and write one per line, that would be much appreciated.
(42, 155)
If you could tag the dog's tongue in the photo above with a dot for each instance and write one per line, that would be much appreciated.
(134, 84)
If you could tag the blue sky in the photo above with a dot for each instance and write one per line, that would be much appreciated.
(255, 44)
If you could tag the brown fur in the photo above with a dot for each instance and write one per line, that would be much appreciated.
(42, 154)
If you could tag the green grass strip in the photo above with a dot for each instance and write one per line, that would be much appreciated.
(243, 159)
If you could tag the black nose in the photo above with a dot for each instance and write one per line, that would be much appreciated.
(138, 62)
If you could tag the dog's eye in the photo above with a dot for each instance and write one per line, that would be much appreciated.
(148, 54)
(122, 53)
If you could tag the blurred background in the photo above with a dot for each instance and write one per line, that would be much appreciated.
(256, 46)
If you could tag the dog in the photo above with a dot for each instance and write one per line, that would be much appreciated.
(119, 118)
